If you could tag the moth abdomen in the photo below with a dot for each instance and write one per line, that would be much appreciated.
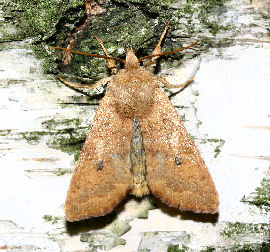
(138, 161)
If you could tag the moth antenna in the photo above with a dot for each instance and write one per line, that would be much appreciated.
(110, 63)
(165, 53)
(89, 54)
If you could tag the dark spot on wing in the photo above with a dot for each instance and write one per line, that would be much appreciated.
(177, 161)
(100, 166)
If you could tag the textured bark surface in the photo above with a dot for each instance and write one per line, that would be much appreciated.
(44, 124)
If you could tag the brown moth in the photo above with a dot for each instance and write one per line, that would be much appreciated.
(137, 144)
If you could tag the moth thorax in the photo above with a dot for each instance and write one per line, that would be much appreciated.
(133, 100)
(133, 92)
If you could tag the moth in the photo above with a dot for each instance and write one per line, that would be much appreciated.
(137, 144)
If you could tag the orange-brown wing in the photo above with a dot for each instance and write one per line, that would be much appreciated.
(102, 176)
(176, 173)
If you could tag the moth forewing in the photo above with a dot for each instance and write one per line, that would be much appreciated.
(102, 176)
(176, 172)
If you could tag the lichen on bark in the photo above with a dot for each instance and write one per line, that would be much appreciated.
(120, 24)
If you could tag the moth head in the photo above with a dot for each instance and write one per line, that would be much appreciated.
(131, 59)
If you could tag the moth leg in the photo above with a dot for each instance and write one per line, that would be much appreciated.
(110, 62)
(99, 83)
(168, 85)
(157, 49)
